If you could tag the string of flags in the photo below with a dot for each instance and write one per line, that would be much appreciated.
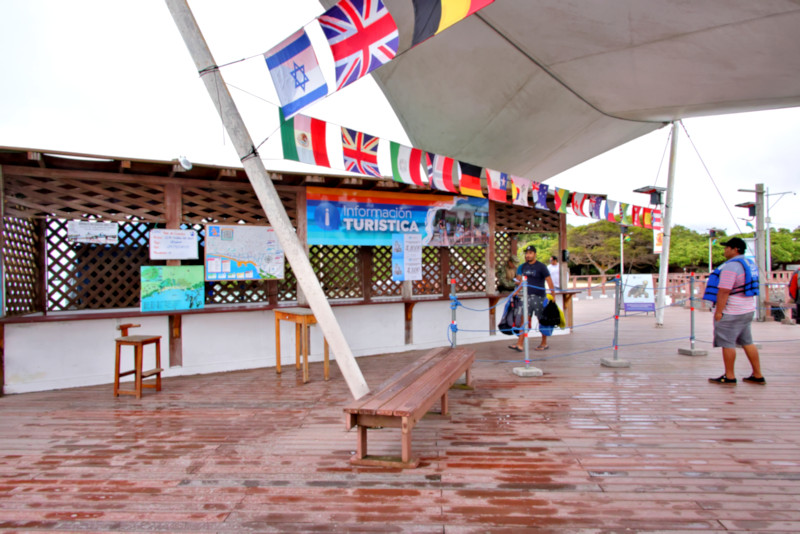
(363, 36)
(305, 139)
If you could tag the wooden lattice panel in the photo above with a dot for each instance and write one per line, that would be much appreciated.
(517, 219)
(287, 286)
(431, 283)
(382, 283)
(82, 276)
(20, 249)
(35, 197)
(468, 267)
(338, 269)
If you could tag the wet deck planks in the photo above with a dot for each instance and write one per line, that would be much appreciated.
(652, 448)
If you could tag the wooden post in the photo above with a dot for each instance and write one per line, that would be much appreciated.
(302, 236)
(365, 258)
(444, 262)
(40, 227)
(491, 253)
(563, 270)
(173, 209)
(409, 322)
(175, 341)
(267, 195)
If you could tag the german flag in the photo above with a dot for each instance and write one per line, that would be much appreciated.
(433, 16)
(470, 180)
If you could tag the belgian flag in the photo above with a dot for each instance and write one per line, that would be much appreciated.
(433, 16)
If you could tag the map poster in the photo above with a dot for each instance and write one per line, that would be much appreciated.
(98, 233)
(242, 252)
(167, 288)
(169, 244)
(406, 257)
(638, 293)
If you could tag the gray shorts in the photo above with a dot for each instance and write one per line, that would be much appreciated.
(733, 330)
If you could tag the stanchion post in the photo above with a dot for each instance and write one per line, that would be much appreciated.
(616, 362)
(525, 320)
(453, 323)
(692, 351)
(527, 370)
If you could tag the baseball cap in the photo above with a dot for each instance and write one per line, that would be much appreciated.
(530, 248)
(737, 243)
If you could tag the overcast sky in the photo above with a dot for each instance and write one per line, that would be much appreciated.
(114, 78)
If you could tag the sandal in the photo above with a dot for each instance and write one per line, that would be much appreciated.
(514, 347)
(754, 380)
(723, 380)
(542, 347)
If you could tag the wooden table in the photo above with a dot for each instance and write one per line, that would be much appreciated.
(302, 319)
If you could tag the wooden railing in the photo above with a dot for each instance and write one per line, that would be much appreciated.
(677, 285)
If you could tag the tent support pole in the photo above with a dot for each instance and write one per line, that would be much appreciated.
(267, 195)
(663, 271)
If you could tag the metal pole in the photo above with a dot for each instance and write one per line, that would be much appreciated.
(761, 254)
(768, 243)
(710, 265)
(691, 310)
(617, 298)
(453, 309)
(663, 271)
(267, 195)
(525, 320)
(692, 351)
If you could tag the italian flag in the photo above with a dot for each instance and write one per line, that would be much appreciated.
(304, 140)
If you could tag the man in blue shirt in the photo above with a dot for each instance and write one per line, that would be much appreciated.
(537, 275)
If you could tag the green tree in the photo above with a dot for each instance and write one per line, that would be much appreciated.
(689, 249)
(785, 246)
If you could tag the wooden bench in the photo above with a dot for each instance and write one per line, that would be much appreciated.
(404, 399)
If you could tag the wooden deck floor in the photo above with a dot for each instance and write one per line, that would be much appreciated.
(651, 448)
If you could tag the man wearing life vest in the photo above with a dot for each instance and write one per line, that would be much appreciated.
(733, 286)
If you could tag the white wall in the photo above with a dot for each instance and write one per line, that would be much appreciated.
(55, 355)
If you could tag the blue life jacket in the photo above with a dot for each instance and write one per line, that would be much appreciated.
(750, 287)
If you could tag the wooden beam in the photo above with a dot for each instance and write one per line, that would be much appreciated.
(60, 174)
(267, 195)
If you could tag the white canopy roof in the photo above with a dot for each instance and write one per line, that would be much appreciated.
(534, 87)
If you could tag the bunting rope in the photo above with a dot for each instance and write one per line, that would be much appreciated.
(708, 172)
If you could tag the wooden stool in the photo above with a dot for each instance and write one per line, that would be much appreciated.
(138, 343)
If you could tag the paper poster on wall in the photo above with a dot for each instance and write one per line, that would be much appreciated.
(173, 244)
(638, 293)
(406, 257)
(167, 288)
(242, 252)
(370, 218)
(97, 233)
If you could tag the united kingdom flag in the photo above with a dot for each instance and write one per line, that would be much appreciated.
(363, 36)
(360, 152)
